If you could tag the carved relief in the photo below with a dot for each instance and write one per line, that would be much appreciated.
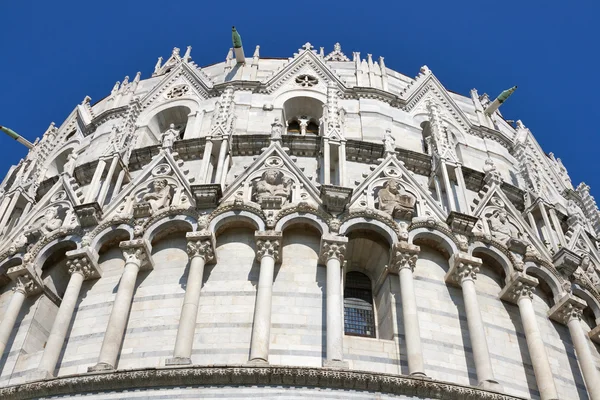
(159, 195)
(272, 190)
(501, 228)
(396, 201)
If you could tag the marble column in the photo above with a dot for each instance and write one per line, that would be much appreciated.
(551, 238)
(568, 311)
(201, 250)
(448, 186)
(463, 272)
(221, 160)
(519, 290)
(268, 251)
(9, 210)
(462, 187)
(205, 161)
(95, 184)
(137, 256)
(109, 177)
(326, 162)
(82, 265)
(403, 261)
(342, 161)
(25, 284)
(557, 227)
(333, 249)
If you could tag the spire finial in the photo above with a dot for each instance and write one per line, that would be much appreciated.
(188, 52)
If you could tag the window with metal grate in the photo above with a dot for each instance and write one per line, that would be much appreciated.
(358, 305)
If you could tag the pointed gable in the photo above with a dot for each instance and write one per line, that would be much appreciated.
(487, 210)
(164, 169)
(188, 78)
(426, 87)
(365, 195)
(274, 157)
(305, 62)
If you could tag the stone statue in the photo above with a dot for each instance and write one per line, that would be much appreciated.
(276, 129)
(169, 136)
(272, 184)
(590, 269)
(160, 196)
(394, 200)
(501, 229)
(69, 166)
(50, 222)
(389, 143)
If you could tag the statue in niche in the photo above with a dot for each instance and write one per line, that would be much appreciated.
(50, 222)
(169, 137)
(389, 143)
(69, 166)
(160, 195)
(590, 269)
(394, 200)
(276, 129)
(502, 230)
(272, 185)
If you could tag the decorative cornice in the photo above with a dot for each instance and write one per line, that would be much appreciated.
(333, 247)
(268, 243)
(247, 375)
(404, 255)
(201, 244)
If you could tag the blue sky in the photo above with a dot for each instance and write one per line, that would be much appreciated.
(56, 53)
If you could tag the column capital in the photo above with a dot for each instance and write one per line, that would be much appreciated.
(333, 246)
(404, 255)
(138, 252)
(268, 243)
(26, 282)
(463, 267)
(85, 262)
(566, 309)
(201, 244)
(519, 286)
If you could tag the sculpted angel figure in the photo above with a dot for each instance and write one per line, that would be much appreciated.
(272, 184)
(160, 196)
(393, 198)
(502, 229)
(169, 137)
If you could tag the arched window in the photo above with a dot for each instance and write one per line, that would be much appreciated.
(294, 127)
(359, 318)
(312, 128)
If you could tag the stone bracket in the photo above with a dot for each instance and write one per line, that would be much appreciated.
(269, 242)
(29, 280)
(563, 308)
(89, 214)
(514, 288)
(335, 198)
(462, 223)
(458, 261)
(271, 202)
(142, 244)
(566, 262)
(207, 195)
(142, 210)
(85, 255)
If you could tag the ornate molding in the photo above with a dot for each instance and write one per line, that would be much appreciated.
(333, 247)
(404, 255)
(519, 286)
(268, 243)
(566, 309)
(201, 244)
(248, 375)
(462, 267)
(85, 262)
(137, 251)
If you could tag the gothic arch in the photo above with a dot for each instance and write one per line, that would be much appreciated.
(311, 219)
(110, 233)
(590, 300)
(226, 219)
(502, 259)
(169, 224)
(551, 280)
(439, 238)
(382, 229)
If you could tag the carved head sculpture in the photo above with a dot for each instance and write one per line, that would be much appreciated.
(172, 126)
(392, 186)
(502, 216)
(51, 213)
(159, 184)
(271, 176)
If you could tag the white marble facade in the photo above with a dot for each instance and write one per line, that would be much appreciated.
(201, 232)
